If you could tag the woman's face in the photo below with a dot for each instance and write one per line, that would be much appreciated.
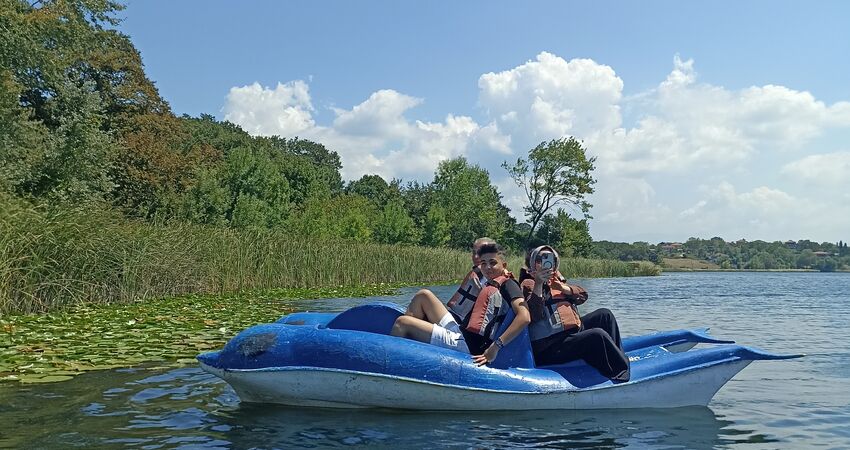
(492, 265)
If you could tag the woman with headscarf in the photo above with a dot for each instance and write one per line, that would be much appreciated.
(558, 334)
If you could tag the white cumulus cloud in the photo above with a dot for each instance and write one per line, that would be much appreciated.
(551, 97)
(285, 110)
(828, 170)
(372, 137)
(683, 124)
(682, 133)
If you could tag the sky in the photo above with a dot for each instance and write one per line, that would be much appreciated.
(727, 118)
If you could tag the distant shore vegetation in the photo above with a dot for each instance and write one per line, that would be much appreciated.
(717, 254)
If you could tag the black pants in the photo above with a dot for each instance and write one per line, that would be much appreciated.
(597, 342)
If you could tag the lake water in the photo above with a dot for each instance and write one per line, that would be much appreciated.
(802, 403)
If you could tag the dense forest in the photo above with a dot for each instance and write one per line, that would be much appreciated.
(741, 254)
(82, 125)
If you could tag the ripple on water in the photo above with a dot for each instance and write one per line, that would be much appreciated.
(771, 404)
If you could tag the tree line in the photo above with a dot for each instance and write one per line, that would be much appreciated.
(81, 125)
(742, 254)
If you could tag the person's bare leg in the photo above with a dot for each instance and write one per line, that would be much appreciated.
(426, 306)
(412, 328)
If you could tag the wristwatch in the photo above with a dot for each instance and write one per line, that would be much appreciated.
(499, 343)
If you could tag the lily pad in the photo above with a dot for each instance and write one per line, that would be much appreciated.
(43, 378)
(54, 347)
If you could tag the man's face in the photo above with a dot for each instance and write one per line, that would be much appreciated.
(492, 265)
(476, 259)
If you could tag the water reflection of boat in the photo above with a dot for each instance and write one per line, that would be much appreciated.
(349, 360)
(693, 427)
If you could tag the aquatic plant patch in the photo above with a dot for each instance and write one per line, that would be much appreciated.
(56, 346)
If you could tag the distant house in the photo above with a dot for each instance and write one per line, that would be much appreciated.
(671, 246)
(791, 245)
(822, 254)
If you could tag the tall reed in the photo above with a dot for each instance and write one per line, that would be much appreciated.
(595, 268)
(54, 257)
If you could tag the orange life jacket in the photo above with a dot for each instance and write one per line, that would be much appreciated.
(489, 309)
(557, 313)
(463, 300)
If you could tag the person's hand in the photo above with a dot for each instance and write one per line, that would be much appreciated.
(488, 356)
(542, 276)
(560, 285)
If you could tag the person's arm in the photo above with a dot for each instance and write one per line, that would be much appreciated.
(534, 301)
(521, 320)
(533, 292)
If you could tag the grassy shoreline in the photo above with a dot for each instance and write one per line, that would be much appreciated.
(51, 259)
(54, 258)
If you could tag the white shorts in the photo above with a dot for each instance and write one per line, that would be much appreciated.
(447, 334)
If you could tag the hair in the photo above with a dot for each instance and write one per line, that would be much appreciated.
(481, 241)
(491, 248)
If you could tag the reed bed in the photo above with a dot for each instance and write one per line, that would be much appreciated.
(56, 257)
(596, 268)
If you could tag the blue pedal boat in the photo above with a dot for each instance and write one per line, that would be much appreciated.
(348, 360)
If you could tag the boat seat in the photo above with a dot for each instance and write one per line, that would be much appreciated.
(377, 317)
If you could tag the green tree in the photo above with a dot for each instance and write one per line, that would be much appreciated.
(472, 203)
(806, 259)
(23, 141)
(373, 187)
(256, 177)
(555, 172)
(343, 216)
(569, 235)
(80, 81)
(79, 156)
(418, 199)
(247, 190)
(325, 164)
(575, 235)
(206, 201)
(435, 230)
(394, 226)
(827, 264)
(249, 211)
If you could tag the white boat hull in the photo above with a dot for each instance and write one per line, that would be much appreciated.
(332, 388)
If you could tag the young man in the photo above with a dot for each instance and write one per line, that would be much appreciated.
(425, 306)
(470, 326)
